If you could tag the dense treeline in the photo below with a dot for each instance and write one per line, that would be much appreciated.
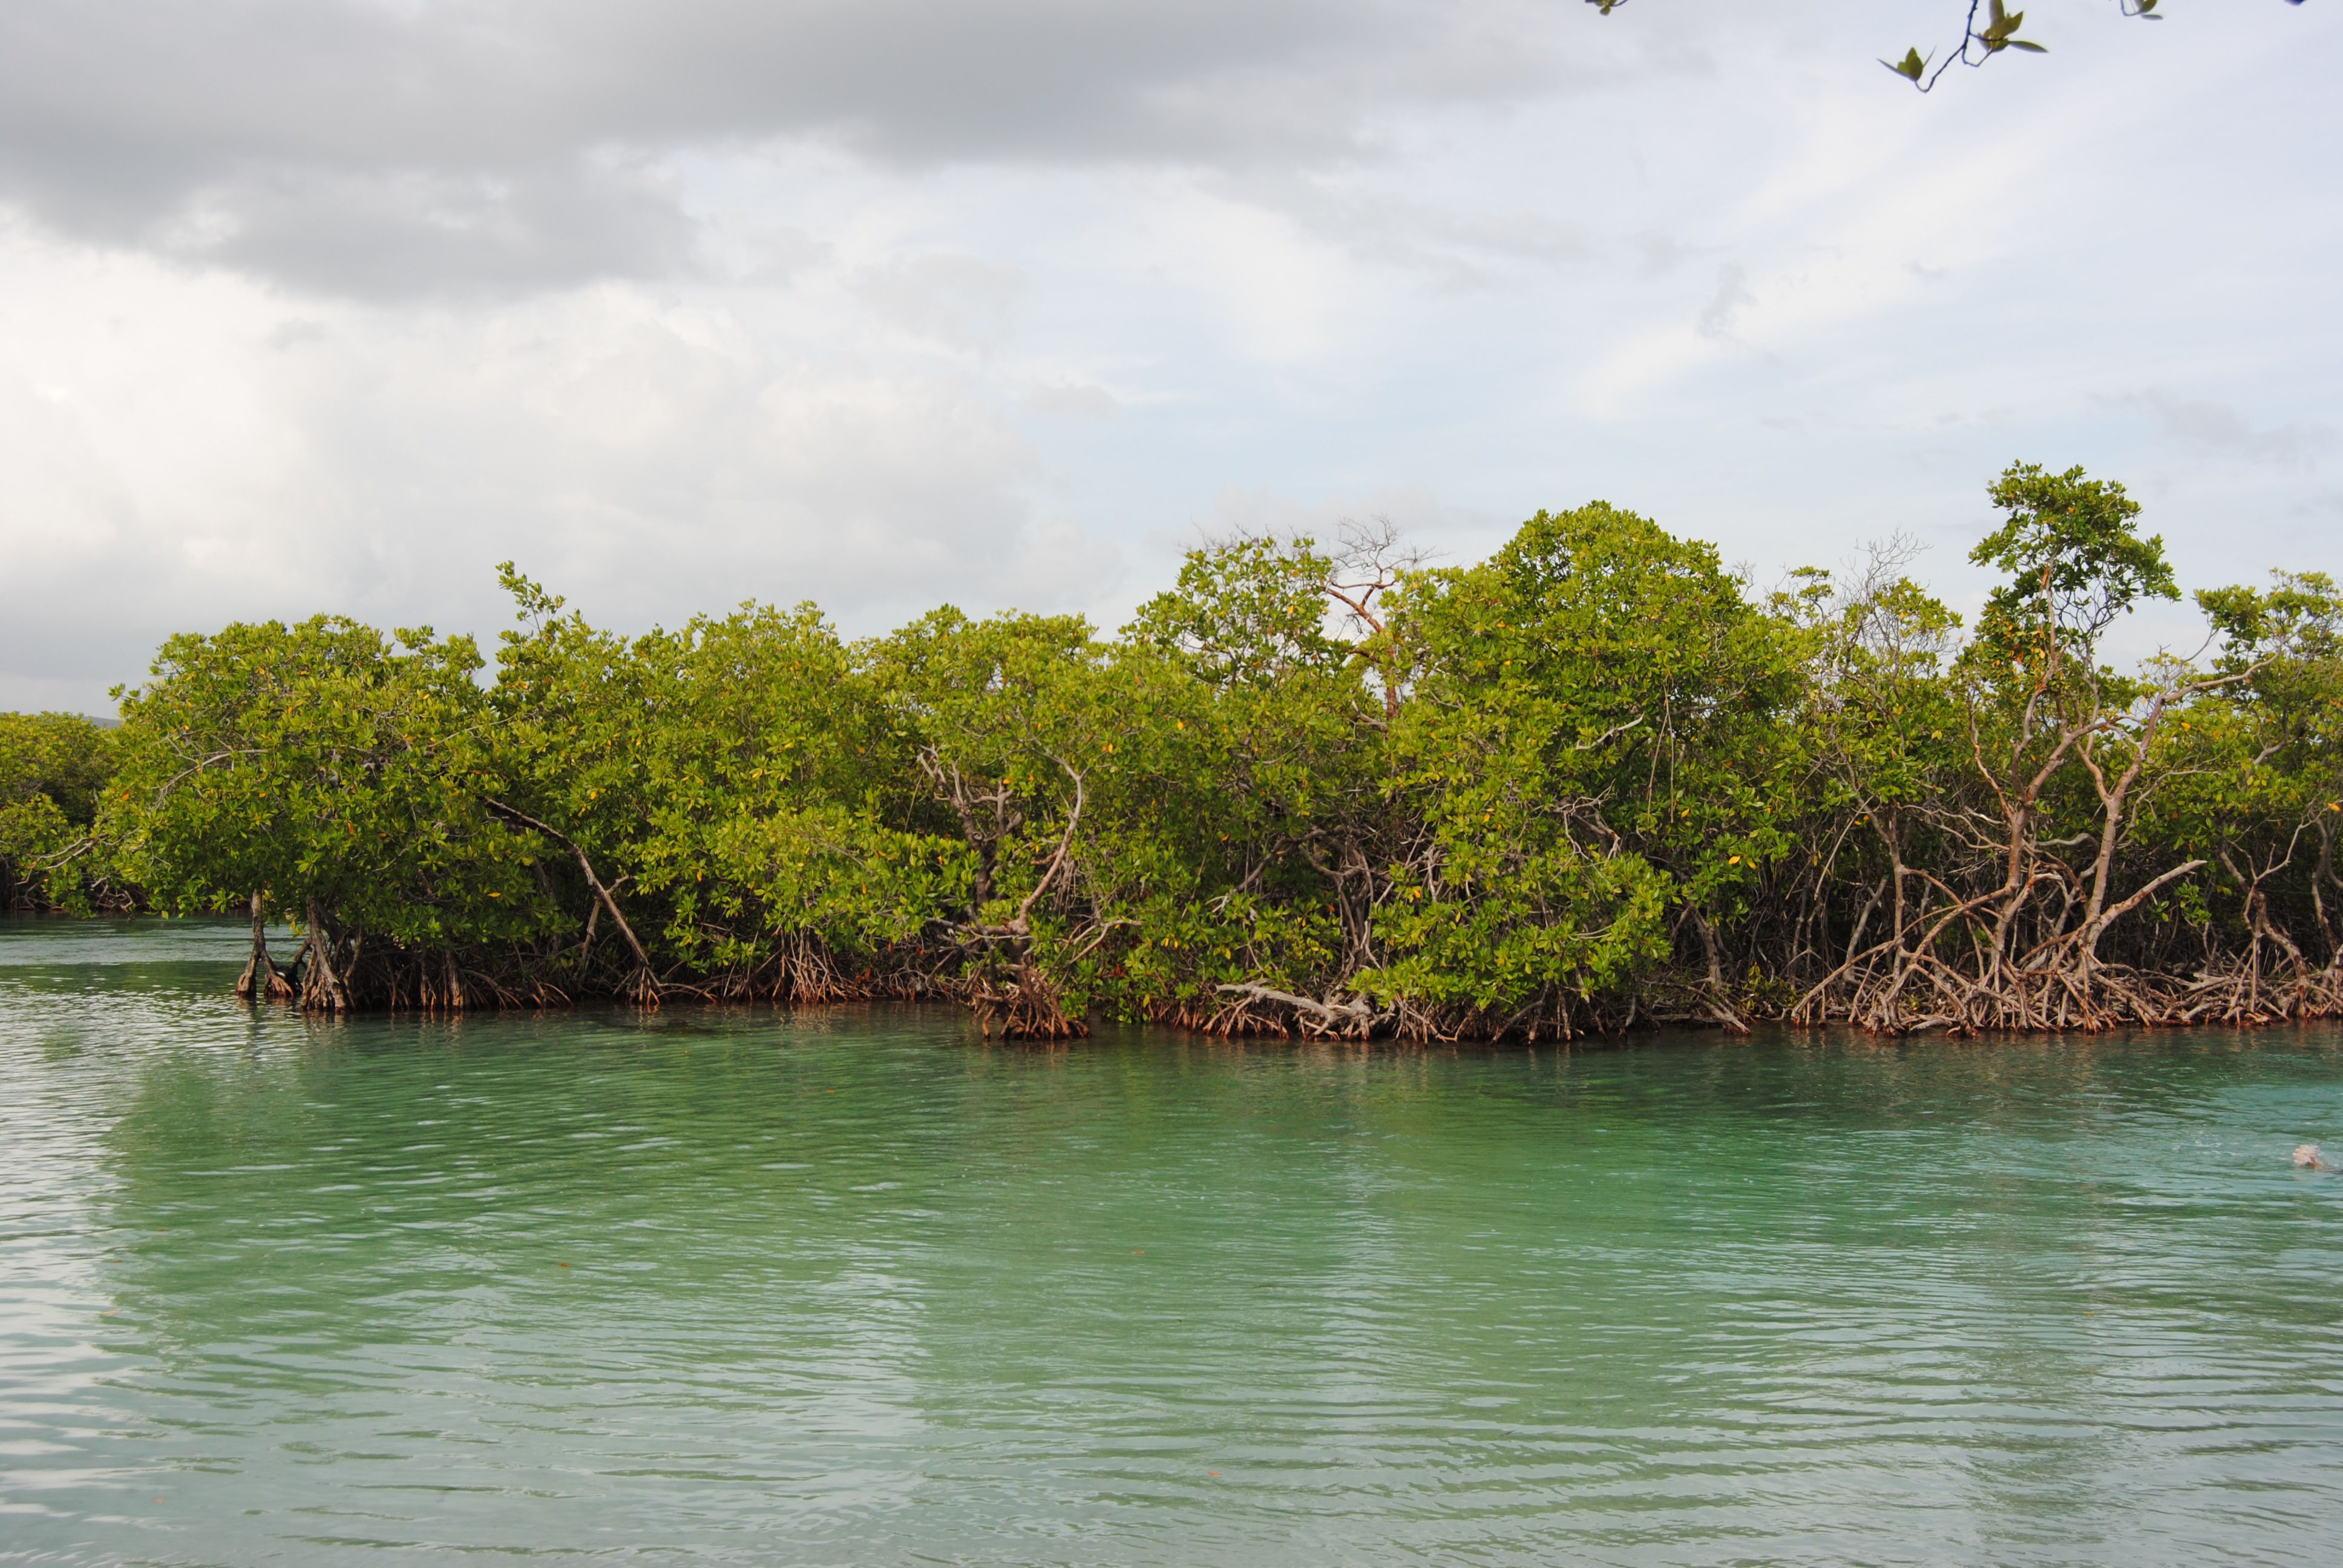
(1587, 782)
(53, 771)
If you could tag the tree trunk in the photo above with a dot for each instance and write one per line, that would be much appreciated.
(321, 988)
(261, 977)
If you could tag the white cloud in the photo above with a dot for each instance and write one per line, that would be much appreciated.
(187, 449)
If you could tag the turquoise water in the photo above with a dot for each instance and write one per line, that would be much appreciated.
(858, 1287)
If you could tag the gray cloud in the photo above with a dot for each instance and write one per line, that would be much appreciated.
(2218, 428)
(1724, 307)
(361, 147)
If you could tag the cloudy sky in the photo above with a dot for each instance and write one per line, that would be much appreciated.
(331, 304)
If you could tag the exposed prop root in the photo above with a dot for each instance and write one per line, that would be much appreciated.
(1891, 988)
(1255, 1009)
(1908, 993)
(1026, 1008)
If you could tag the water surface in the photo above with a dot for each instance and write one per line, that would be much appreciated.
(858, 1287)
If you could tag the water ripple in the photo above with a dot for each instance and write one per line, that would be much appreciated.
(855, 1287)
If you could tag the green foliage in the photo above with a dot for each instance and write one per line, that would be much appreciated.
(2254, 784)
(54, 768)
(740, 774)
(62, 756)
(2074, 561)
(1586, 745)
(1247, 815)
(337, 773)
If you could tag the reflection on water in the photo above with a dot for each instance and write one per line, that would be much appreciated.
(857, 1287)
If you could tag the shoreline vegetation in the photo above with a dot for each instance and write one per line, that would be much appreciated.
(1590, 783)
